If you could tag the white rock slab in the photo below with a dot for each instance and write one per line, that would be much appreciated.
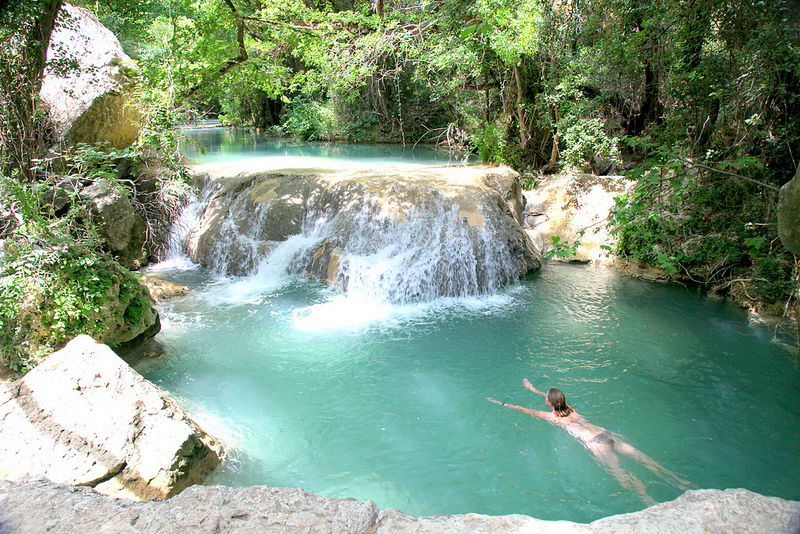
(85, 417)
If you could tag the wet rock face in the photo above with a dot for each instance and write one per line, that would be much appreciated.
(93, 102)
(85, 417)
(433, 231)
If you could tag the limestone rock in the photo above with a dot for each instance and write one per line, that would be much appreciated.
(789, 214)
(93, 103)
(121, 228)
(39, 505)
(161, 290)
(461, 235)
(83, 416)
(506, 182)
(247, 215)
(709, 511)
(566, 205)
(396, 522)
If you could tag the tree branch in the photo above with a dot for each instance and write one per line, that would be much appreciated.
(739, 176)
(222, 70)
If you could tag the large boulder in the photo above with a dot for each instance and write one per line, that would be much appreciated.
(122, 229)
(401, 231)
(85, 417)
(573, 208)
(789, 214)
(39, 505)
(92, 100)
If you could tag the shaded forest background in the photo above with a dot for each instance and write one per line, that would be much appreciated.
(698, 101)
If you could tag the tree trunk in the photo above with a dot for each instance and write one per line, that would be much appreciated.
(21, 141)
(556, 139)
(524, 130)
(648, 111)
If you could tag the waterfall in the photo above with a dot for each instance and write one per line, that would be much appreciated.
(426, 253)
(187, 222)
(394, 242)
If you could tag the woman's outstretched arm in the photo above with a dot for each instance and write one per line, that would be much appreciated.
(528, 385)
(532, 413)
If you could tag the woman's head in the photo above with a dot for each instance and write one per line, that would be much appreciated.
(557, 401)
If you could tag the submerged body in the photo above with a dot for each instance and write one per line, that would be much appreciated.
(603, 443)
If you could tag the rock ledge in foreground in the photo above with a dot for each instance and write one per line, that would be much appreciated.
(34, 505)
(85, 417)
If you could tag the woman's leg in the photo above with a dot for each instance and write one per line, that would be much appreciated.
(632, 452)
(605, 455)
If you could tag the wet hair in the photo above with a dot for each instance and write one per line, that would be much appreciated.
(558, 402)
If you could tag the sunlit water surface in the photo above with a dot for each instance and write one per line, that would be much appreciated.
(348, 398)
(216, 144)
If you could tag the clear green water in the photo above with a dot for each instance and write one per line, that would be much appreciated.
(354, 399)
(225, 144)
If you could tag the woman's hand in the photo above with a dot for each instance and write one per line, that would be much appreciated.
(528, 385)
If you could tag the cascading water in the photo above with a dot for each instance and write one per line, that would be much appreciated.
(181, 229)
(422, 256)
(377, 246)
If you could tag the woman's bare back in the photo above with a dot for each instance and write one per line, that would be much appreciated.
(578, 427)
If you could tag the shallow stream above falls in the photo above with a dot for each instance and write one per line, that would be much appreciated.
(350, 396)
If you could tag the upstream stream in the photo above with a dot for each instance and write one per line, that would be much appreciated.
(353, 396)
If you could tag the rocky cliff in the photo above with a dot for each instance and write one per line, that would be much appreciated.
(574, 208)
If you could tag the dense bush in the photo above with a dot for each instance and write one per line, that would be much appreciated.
(50, 295)
(56, 279)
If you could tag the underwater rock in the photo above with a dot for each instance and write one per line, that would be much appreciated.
(92, 102)
(397, 232)
(83, 416)
(39, 505)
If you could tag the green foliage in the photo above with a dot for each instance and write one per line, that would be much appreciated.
(92, 162)
(585, 140)
(563, 249)
(695, 223)
(50, 295)
(492, 144)
(528, 182)
(159, 138)
(55, 280)
(309, 121)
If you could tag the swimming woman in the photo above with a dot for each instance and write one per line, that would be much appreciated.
(600, 441)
